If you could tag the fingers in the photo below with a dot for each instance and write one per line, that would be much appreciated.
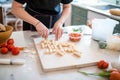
(43, 32)
(58, 33)
(61, 33)
(53, 31)
(46, 34)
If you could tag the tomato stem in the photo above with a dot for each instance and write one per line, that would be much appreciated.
(102, 74)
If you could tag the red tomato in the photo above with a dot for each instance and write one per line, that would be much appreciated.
(4, 50)
(102, 64)
(10, 41)
(105, 65)
(3, 44)
(10, 47)
(114, 75)
(15, 51)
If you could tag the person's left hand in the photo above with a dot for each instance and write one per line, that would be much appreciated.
(57, 30)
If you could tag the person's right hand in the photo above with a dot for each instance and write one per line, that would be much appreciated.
(42, 30)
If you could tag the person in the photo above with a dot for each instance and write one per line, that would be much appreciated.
(41, 15)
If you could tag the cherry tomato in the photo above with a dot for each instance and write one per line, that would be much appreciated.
(10, 41)
(4, 50)
(10, 47)
(102, 64)
(15, 51)
(3, 44)
(114, 75)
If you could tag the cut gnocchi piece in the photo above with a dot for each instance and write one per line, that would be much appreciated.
(47, 51)
(42, 45)
(61, 49)
(60, 53)
(77, 54)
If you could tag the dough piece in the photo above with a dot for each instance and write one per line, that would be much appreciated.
(50, 49)
(42, 45)
(66, 44)
(55, 45)
(47, 51)
(77, 54)
(60, 53)
(61, 48)
(2, 28)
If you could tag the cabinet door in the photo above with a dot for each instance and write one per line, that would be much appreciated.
(79, 16)
(78, 20)
(79, 11)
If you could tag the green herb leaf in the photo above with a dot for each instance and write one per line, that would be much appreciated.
(77, 29)
(85, 73)
(104, 74)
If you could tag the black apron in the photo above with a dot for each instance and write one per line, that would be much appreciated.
(46, 19)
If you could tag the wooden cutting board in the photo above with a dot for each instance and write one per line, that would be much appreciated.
(54, 62)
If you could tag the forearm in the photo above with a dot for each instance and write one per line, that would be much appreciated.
(65, 13)
(21, 13)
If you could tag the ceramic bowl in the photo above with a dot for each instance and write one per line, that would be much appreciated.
(75, 37)
(5, 35)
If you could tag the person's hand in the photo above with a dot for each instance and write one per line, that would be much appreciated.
(57, 30)
(42, 30)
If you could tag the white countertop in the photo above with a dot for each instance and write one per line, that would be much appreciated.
(32, 70)
(87, 5)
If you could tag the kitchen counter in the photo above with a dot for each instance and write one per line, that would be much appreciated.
(32, 70)
(88, 6)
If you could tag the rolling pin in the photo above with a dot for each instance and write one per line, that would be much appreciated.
(12, 61)
(115, 12)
